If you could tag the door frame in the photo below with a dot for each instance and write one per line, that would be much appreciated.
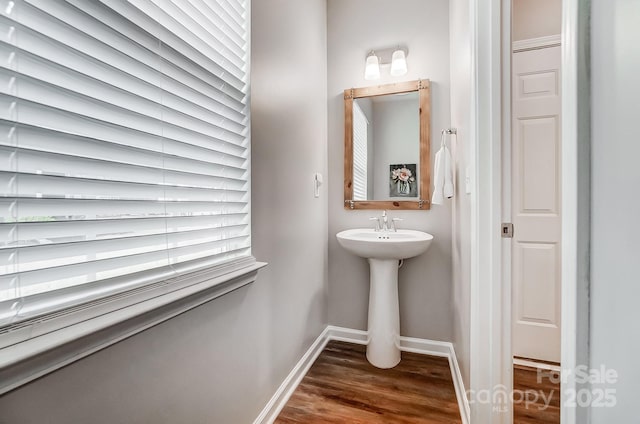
(490, 303)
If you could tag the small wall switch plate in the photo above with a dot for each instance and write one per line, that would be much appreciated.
(467, 181)
(317, 182)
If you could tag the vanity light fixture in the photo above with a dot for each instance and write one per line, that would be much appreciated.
(398, 63)
(372, 67)
(396, 57)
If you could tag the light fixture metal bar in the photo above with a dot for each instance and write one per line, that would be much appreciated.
(385, 54)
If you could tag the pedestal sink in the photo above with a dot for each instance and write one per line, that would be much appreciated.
(384, 249)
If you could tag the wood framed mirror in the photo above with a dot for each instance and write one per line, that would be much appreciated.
(387, 140)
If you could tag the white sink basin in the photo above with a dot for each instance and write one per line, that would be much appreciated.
(383, 250)
(371, 244)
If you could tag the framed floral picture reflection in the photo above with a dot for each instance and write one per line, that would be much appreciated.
(403, 181)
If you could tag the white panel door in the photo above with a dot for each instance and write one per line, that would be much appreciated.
(536, 204)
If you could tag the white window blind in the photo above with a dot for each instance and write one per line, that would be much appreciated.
(360, 152)
(124, 146)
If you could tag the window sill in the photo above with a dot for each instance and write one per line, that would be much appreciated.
(68, 337)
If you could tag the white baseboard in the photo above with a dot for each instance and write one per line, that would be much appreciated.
(348, 335)
(279, 399)
(535, 364)
(407, 344)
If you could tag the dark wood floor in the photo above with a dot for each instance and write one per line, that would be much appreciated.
(342, 387)
(546, 389)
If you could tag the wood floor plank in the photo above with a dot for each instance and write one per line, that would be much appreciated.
(342, 387)
(542, 387)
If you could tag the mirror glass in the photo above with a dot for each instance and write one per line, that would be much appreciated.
(386, 147)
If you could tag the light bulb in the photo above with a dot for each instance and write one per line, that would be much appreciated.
(372, 67)
(398, 63)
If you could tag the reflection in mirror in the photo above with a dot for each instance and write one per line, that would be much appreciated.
(386, 147)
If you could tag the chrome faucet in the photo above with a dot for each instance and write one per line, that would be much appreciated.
(384, 224)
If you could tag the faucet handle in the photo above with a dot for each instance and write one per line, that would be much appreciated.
(377, 220)
(393, 223)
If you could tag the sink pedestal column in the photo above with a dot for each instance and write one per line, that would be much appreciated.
(383, 350)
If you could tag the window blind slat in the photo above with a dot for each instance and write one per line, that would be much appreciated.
(187, 158)
(184, 17)
(360, 147)
(186, 38)
(61, 232)
(234, 9)
(109, 64)
(34, 209)
(149, 102)
(191, 145)
(207, 11)
(129, 74)
(173, 47)
(231, 24)
(124, 149)
(137, 83)
(86, 268)
(155, 120)
(48, 255)
(54, 164)
(51, 301)
(37, 17)
(34, 185)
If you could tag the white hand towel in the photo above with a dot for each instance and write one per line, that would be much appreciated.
(443, 177)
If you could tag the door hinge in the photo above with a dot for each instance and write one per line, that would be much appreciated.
(507, 230)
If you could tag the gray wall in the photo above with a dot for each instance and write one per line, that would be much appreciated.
(536, 18)
(354, 27)
(221, 362)
(396, 140)
(461, 72)
(615, 288)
